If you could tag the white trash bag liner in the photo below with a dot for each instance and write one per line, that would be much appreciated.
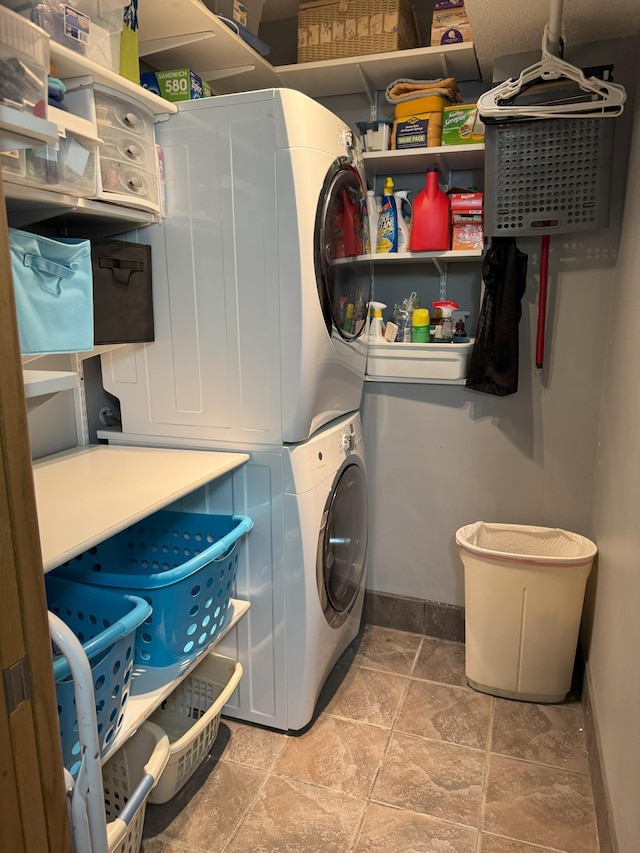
(526, 543)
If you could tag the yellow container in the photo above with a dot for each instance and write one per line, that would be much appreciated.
(418, 123)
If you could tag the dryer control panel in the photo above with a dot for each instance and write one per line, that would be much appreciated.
(350, 439)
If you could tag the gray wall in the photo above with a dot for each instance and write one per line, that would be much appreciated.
(612, 629)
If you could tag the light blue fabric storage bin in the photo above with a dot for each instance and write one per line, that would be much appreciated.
(53, 287)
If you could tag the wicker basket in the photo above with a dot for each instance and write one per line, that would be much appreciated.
(332, 29)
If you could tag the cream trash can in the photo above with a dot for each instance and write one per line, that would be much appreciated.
(524, 591)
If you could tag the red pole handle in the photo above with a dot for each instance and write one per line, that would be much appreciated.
(542, 301)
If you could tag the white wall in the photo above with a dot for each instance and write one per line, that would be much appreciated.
(612, 632)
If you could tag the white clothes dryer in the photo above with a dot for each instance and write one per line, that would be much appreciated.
(302, 568)
(260, 287)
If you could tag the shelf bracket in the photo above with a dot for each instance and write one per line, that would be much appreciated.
(222, 73)
(444, 65)
(149, 47)
(442, 269)
(371, 93)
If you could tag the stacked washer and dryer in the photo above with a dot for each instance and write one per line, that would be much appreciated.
(260, 308)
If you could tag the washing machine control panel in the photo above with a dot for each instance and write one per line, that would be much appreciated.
(350, 439)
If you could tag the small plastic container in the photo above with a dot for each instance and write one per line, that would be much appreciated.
(105, 622)
(200, 697)
(24, 55)
(375, 135)
(128, 778)
(184, 564)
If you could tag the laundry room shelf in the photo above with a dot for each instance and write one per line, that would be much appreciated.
(151, 686)
(447, 158)
(188, 35)
(39, 385)
(90, 493)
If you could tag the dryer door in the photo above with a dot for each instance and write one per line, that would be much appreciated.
(343, 274)
(342, 544)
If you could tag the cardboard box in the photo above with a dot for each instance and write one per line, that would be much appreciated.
(179, 84)
(450, 24)
(462, 125)
(466, 220)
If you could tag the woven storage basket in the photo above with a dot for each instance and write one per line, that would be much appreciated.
(332, 29)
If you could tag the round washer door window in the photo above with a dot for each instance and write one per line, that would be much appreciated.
(343, 544)
(343, 274)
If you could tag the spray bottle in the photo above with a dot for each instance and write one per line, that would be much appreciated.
(444, 329)
(376, 335)
(388, 221)
(403, 206)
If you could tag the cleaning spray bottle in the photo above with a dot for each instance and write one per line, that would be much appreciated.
(444, 329)
(388, 221)
(376, 335)
(373, 213)
(430, 227)
(403, 206)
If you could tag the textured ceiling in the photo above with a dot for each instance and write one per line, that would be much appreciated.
(502, 27)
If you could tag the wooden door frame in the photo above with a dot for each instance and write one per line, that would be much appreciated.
(33, 811)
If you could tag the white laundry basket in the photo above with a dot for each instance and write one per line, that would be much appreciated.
(524, 591)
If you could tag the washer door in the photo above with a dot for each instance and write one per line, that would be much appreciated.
(342, 544)
(343, 274)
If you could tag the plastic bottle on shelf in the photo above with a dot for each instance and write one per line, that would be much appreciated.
(403, 206)
(444, 329)
(420, 326)
(430, 227)
(388, 221)
(372, 211)
(376, 335)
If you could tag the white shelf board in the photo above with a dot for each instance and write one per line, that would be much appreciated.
(90, 493)
(447, 157)
(414, 381)
(24, 130)
(68, 63)
(460, 256)
(151, 686)
(346, 76)
(40, 382)
(187, 35)
(27, 204)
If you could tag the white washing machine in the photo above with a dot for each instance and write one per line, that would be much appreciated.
(302, 567)
(260, 289)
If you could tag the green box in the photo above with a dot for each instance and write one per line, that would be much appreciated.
(461, 125)
(179, 84)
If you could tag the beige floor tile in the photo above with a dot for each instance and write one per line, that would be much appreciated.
(441, 660)
(247, 744)
(387, 649)
(161, 845)
(335, 753)
(495, 844)
(292, 817)
(209, 807)
(547, 734)
(541, 805)
(368, 695)
(443, 712)
(438, 779)
(387, 830)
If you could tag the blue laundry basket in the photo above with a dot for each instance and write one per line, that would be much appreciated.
(183, 564)
(105, 622)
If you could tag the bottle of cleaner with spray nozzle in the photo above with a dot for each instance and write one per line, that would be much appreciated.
(388, 221)
(376, 335)
(403, 206)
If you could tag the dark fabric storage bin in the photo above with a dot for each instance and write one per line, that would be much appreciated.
(122, 300)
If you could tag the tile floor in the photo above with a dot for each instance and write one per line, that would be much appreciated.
(401, 756)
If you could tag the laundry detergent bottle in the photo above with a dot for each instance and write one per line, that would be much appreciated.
(388, 221)
(430, 226)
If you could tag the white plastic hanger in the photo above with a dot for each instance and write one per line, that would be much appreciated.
(608, 98)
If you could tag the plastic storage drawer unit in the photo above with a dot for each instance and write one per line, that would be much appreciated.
(105, 623)
(24, 64)
(184, 564)
(190, 717)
